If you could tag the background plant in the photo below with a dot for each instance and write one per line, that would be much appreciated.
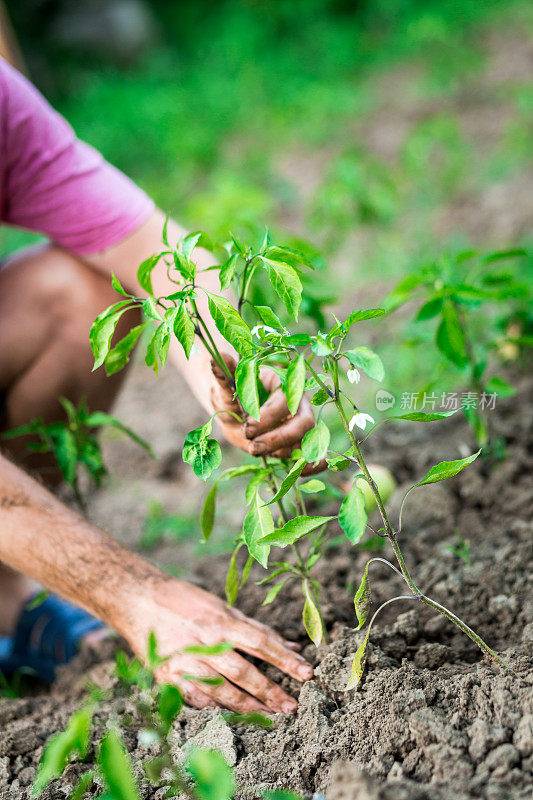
(303, 361)
(482, 315)
(73, 443)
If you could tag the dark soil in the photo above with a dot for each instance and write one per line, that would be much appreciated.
(431, 719)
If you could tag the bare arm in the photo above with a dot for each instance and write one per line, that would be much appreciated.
(50, 543)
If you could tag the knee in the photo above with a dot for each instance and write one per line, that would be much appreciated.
(65, 289)
(70, 290)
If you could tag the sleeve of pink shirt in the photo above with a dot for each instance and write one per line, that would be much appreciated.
(53, 183)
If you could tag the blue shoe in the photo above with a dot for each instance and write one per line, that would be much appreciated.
(45, 637)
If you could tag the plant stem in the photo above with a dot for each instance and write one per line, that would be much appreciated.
(391, 535)
(284, 516)
(213, 349)
(368, 477)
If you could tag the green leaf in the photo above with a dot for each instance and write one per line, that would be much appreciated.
(421, 416)
(286, 284)
(320, 346)
(201, 452)
(189, 242)
(429, 309)
(253, 485)
(312, 486)
(362, 599)
(119, 355)
(144, 273)
(244, 469)
(90, 455)
(450, 338)
(294, 386)
(184, 328)
(246, 384)
(352, 514)
(98, 419)
(150, 309)
(293, 530)
(103, 328)
(500, 255)
(320, 397)
(311, 615)
(446, 469)
(227, 271)
(232, 578)
(212, 776)
(258, 524)
(269, 318)
(185, 267)
(117, 768)
(230, 324)
(337, 463)
(170, 703)
(74, 740)
(117, 286)
(207, 517)
(273, 593)
(497, 385)
(358, 664)
(289, 480)
(66, 453)
(367, 361)
(297, 340)
(251, 718)
(208, 649)
(316, 442)
(356, 316)
(280, 794)
(82, 786)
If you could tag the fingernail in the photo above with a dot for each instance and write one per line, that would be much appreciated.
(305, 672)
(249, 429)
(289, 707)
(258, 448)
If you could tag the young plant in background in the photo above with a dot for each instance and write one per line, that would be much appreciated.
(203, 775)
(474, 307)
(302, 361)
(73, 443)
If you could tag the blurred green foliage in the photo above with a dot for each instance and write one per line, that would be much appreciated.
(355, 123)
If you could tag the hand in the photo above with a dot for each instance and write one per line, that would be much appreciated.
(277, 432)
(181, 614)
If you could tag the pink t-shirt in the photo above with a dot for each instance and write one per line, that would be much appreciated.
(52, 183)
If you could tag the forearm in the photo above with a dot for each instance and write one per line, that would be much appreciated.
(123, 260)
(45, 540)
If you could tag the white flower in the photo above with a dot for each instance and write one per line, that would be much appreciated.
(354, 376)
(264, 330)
(360, 420)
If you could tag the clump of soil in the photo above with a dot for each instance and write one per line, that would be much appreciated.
(431, 720)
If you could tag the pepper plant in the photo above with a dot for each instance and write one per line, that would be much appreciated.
(474, 306)
(320, 363)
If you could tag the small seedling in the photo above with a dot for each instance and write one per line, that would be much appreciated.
(204, 774)
(73, 443)
(323, 363)
(470, 300)
(461, 549)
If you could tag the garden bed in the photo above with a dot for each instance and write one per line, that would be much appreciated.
(431, 719)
